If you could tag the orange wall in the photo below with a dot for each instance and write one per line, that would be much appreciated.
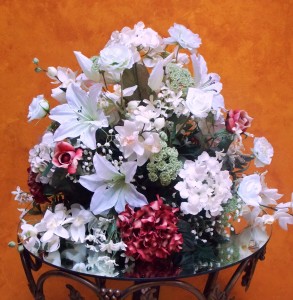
(247, 42)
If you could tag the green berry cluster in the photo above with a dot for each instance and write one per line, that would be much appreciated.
(180, 78)
(164, 165)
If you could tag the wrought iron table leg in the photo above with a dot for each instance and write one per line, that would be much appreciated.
(30, 265)
(211, 283)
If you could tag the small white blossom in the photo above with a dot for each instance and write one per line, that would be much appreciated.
(112, 247)
(21, 196)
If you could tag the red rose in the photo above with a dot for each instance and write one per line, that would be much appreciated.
(237, 121)
(150, 232)
(65, 156)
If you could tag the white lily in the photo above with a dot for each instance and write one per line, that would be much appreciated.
(208, 82)
(112, 187)
(86, 65)
(156, 77)
(52, 226)
(80, 116)
(80, 217)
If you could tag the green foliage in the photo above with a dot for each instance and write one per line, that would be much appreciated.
(35, 210)
(137, 75)
(226, 138)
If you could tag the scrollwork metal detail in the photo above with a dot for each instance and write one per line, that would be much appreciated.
(250, 268)
(145, 290)
(73, 293)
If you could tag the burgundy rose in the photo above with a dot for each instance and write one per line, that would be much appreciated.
(36, 188)
(65, 156)
(150, 232)
(237, 121)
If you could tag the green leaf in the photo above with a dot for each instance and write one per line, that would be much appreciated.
(59, 178)
(47, 170)
(226, 140)
(137, 75)
(34, 211)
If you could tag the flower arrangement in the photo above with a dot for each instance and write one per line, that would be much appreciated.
(142, 161)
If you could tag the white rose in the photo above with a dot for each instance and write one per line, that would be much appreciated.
(249, 189)
(38, 108)
(184, 37)
(198, 102)
(263, 152)
(116, 58)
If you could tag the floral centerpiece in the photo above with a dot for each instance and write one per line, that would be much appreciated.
(142, 161)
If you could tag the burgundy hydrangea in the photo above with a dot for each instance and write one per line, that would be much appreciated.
(36, 188)
(151, 232)
(162, 268)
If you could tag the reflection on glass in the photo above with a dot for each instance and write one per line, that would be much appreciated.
(78, 258)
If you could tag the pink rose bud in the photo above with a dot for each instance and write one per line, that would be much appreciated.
(65, 156)
(237, 121)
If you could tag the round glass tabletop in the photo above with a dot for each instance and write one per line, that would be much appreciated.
(229, 252)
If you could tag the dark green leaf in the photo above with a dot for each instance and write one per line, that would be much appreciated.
(137, 75)
(48, 168)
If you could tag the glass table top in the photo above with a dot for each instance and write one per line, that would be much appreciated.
(233, 250)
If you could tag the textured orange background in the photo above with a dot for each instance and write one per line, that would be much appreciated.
(249, 43)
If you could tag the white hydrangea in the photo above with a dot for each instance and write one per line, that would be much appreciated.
(146, 113)
(204, 186)
(140, 39)
(40, 155)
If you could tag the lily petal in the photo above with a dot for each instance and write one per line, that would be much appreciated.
(86, 66)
